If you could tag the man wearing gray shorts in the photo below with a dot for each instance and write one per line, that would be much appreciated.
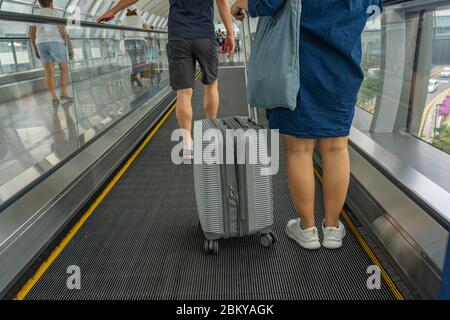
(192, 39)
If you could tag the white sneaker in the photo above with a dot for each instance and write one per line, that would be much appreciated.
(308, 238)
(332, 236)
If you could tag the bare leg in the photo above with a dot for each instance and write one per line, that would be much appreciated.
(63, 67)
(211, 98)
(50, 78)
(299, 160)
(184, 113)
(336, 177)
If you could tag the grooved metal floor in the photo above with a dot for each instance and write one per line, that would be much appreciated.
(143, 241)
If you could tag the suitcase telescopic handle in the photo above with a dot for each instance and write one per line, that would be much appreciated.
(252, 110)
(244, 122)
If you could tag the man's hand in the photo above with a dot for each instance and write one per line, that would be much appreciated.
(106, 17)
(237, 12)
(225, 14)
(121, 5)
(230, 44)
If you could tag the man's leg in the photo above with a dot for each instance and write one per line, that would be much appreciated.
(184, 114)
(211, 103)
(64, 69)
(182, 74)
(205, 51)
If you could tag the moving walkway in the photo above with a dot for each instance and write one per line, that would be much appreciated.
(142, 241)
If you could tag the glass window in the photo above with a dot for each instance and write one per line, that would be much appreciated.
(429, 117)
(73, 9)
(39, 132)
(95, 49)
(11, 29)
(103, 8)
(120, 16)
(84, 6)
(156, 21)
(151, 19)
(23, 55)
(23, 6)
(94, 9)
(78, 50)
(145, 15)
(76, 33)
(7, 57)
(442, 24)
(161, 23)
(371, 60)
(61, 4)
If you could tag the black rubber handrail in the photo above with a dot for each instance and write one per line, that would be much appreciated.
(31, 18)
(13, 38)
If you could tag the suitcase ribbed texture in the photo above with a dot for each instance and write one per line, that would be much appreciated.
(208, 186)
(256, 188)
(261, 193)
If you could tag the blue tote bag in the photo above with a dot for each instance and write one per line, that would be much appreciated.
(274, 67)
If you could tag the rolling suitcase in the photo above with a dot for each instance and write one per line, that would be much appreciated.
(234, 198)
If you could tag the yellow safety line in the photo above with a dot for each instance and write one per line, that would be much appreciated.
(368, 251)
(57, 251)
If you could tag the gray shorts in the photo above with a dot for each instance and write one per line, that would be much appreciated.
(183, 55)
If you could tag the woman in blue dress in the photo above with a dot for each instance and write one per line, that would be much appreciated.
(331, 76)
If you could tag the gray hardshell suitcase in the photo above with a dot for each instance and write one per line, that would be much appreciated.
(233, 200)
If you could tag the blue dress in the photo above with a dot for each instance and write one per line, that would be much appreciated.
(330, 71)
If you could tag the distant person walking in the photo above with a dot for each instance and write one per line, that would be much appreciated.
(192, 39)
(51, 44)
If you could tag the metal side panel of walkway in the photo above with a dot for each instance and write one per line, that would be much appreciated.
(143, 240)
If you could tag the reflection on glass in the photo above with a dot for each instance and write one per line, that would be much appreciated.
(37, 134)
(64, 130)
(115, 88)
(371, 59)
(8, 62)
(84, 7)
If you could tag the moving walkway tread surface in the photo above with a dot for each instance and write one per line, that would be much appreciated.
(143, 239)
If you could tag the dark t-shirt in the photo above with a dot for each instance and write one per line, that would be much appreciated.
(191, 19)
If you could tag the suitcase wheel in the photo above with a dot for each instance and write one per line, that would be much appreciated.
(267, 240)
(211, 246)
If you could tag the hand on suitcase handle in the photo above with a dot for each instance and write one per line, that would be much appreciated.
(237, 13)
